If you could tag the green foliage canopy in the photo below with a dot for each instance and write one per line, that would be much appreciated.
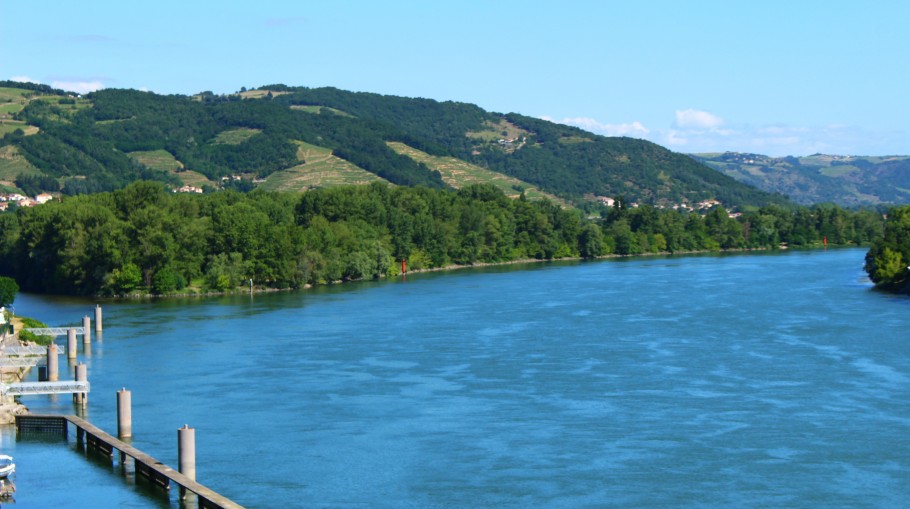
(8, 290)
(145, 239)
(888, 259)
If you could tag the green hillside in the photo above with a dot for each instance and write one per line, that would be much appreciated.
(458, 174)
(109, 138)
(562, 160)
(318, 168)
(12, 164)
(819, 178)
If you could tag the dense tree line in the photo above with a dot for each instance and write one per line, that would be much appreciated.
(143, 238)
(33, 185)
(888, 260)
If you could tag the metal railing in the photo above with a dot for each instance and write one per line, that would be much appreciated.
(54, 331)
(33, 388)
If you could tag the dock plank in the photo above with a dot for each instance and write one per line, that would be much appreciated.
(206, 496)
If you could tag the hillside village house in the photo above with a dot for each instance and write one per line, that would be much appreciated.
(23, 201)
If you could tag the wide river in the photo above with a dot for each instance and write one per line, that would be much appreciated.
(746, 380)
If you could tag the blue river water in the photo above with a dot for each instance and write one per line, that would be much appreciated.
(715, 381)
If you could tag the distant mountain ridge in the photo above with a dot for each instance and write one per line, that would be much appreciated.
(820, 178)
(106, 139)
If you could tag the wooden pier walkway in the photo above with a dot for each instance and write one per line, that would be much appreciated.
(150, 468)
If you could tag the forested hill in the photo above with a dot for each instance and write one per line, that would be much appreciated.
(277, 134)
(848, 181)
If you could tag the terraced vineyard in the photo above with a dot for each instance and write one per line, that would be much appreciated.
(319, 169)
(458, 174)
(318, 109)
(12, 100)
(235, 136)
(12, 163)
(163, 160)
(157, 160)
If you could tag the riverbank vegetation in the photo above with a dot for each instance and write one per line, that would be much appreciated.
(888, 258)
(144, 239)
(28, 323)
(8, 290)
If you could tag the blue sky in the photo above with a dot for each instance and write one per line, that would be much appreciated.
(790, 77)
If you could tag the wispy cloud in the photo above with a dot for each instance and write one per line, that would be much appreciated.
(693, 130)
(80, 87)
(70, 84)
(782, 140)
(634, 129)
(695, 119)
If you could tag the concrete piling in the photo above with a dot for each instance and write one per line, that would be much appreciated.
(81, 376)
(186, 454)
(124, 414)
(70, 343)
(98, 318)
(86, 330)
(53, 375)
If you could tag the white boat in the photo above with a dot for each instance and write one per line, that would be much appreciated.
(7, 466)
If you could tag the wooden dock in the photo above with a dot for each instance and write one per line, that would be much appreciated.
(150, 468)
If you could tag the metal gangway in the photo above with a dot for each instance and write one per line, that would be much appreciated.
(23, 356)
(35, 388)
(55, 331)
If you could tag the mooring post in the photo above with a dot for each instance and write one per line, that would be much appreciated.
(97, 317)
(86, 329)
(186, 454)
(124, 419)
(81, 376)
(70, 343)
(124, 414)
(53, 374)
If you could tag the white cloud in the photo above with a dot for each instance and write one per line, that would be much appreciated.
(694, 131)
(695, 119)
(23, 79)
(780, 140)
(675, 139)
(80, 87)
(635, 129)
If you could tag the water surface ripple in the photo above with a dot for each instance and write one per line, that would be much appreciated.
(761, 380)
